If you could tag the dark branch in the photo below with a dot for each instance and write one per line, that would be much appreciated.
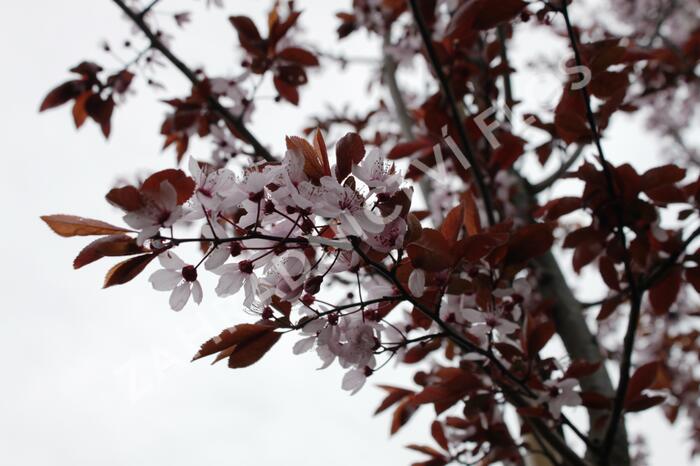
(230, 118)
(551, 436)
(561, 171)
(635, 293)
(507, 85)
(455, 111)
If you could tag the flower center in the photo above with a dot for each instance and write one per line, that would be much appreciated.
(189, 273)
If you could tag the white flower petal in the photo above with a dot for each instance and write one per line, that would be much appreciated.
(179, 296)
(197, 292)
(326, 356)
(314, 326)
(165, 280)
(416, 282)
(170, 260)
(168, 195)
(354, 380)
(304, 345)
(217, 258)
(251, 288)
(473, 316)
(195, 171)
(229, 284)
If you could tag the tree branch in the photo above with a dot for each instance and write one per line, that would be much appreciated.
(454, 110)
(233, 120)
(405, 121)
(148, 8)
(616, 417)
(507, 85)
(561, 171)
(550, 435)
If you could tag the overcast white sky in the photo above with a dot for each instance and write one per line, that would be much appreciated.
(95, 376)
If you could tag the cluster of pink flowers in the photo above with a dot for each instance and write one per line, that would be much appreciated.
(287, 232)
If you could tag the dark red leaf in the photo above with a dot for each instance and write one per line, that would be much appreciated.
(595, 400)
(609, 272)
(87, 69)
(242, 344)
(660, 176)
(608, 307)
(230, 337)
(558, 207)
(349, 150)
(452, 225)
(430, 252)
(127, 198)
(642, 379)
(474, 15)
(71, 225)
(476, 247)
(294, 75)
(127, 270)
(643, 402)
(438, 434)
(314, 165)
(490, 14)
(539, 336)
(108, 246)
(62, 94)
(286, 91)
(250, 351)
(529, 242)
(692, 275)
(298, 55)
(320, 149)
(580, 368)
(405, 149)
(510, 149)
(79, 112)
(248, 34)
(664, 293)
(420, 351)
(100, 110)
(183, 184)
(430, 451)
(395, 395)
(569, 117)
(403, 412)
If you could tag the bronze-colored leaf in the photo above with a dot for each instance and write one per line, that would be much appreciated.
(125, 271)
(71, 225)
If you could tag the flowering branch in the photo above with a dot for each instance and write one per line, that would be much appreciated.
(483, 301)
(469, 347)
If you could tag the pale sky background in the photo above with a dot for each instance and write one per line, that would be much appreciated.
(92, 376)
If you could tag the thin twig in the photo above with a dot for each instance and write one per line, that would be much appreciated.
(635, 294)
(563, 168)
(233, 120)
(148, 8)
(507, 85)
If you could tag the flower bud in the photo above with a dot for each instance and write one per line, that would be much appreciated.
(313, 284)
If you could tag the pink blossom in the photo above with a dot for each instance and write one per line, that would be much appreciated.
(160, 210)
(177, 277)
(561, 393)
